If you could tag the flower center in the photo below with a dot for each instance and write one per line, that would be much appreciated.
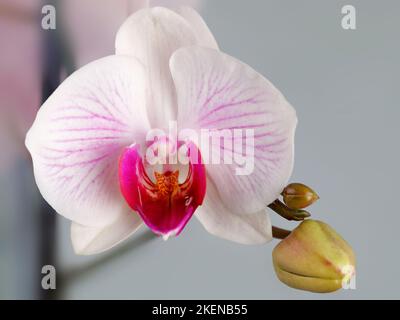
(164, 203)
(167, 183)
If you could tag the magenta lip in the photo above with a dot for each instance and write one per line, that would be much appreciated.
(165, 205)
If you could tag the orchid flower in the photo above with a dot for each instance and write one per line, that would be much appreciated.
(89, 140)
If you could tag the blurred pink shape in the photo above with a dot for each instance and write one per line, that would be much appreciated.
(91, 25)
(19, 73)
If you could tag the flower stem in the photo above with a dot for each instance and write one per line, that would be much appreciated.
(287, 213)
(279, 233)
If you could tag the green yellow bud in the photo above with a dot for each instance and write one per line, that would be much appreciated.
(298, 196)
(314, 258)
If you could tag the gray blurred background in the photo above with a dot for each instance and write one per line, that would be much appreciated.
(344, 85)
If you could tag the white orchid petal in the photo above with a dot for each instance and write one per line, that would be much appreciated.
(79, 134)
(252, 228)
(216, 92)
(203, 34)
(151, 36)
(92, 240)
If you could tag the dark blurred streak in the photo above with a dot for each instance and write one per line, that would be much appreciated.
(51, 70)
(55, 59)
(52, 58)
(80, 271)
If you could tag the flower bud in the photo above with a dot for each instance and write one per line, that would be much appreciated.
(298, 196)
(314, 258)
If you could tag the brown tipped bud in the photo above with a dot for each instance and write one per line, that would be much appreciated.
(313, 257)
(298, 196)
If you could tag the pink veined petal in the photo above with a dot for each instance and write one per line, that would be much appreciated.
(151, 36)
(165, 205)
(203, 34)
(93, 240)
(252, 228)
(79, 134)
(218, 92)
